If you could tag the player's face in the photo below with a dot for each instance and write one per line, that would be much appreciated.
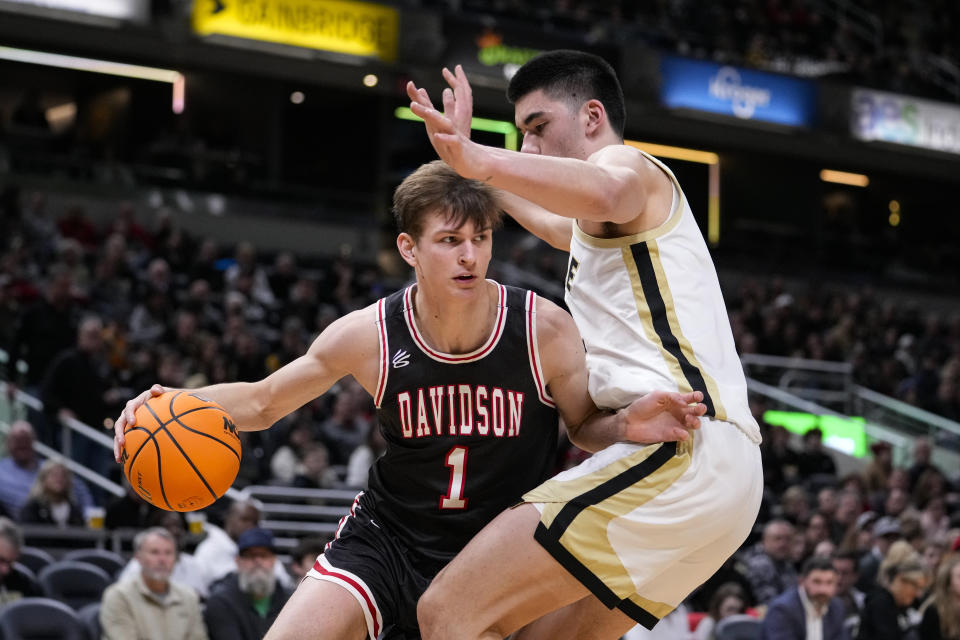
(452, 259)
(550, 127)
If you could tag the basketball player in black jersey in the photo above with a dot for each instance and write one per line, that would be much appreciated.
(469, 377)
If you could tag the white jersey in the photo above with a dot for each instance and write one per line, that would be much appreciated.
(652, 317)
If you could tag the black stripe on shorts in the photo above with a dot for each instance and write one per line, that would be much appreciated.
(549, 537)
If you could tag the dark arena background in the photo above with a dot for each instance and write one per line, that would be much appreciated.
(191, 191)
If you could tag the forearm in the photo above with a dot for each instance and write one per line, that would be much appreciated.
(243, 401)
(553, 229)
(565, 186)
(598, 430)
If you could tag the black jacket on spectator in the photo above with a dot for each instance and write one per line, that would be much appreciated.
(77, 382)
(38, 512)
(44, 330)
(882, 619)
(229, 614)
(16, 585)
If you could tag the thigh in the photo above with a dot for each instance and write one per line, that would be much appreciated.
(319, 610)
(503, 579)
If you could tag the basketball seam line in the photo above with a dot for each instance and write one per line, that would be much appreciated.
(175, 417)
(163, 424)
(160, 472)
(200, 433)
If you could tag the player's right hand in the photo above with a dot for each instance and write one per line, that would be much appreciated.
(457, 100)
(128, 417)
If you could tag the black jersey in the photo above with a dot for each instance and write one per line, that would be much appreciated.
(466, 434)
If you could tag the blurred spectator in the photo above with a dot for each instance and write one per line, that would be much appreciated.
(47, 327)
(50, 500)
(922, 449)
(727, 600)
(150, 605)
(845, 563)
(813, 460)
(780, 460)
(217, 552)
(283, 275)
(795, 505)
(305, 555)
(768, 562)
(878, 471)
(886, 531)
(245, 266)
(129, 510)
(885, 612)
(13, 584)
(76, 225)
(810, 609)
(244, 604)
(363, 457)
(345, 429)
(316, 472)
(79, 385)
(941, 614)
(287, 461)
(19, 470)
(186, 570)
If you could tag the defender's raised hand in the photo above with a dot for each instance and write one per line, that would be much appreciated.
(663, 416)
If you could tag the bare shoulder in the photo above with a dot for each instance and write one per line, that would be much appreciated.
(554, 325)
(350, 336)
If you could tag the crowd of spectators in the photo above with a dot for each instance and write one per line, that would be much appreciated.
(898, 347)
(882, 44)
(110, 310)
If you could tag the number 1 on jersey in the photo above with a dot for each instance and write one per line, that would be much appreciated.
(457, 461)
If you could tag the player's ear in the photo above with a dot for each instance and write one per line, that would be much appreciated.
(595, 115)
(405, 245)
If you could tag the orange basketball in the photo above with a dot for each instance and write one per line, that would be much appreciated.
(183, 452)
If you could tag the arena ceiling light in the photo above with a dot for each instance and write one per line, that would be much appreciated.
(844, 177)
(93, 65)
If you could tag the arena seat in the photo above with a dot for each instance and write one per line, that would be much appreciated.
(112, 563)
(35, 558)
(90, 618)
(74, 583)
(738, 627)
(39, 619)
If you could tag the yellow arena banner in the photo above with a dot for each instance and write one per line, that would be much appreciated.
(354, 28)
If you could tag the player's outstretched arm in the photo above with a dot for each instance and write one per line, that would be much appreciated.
(660, 416)
(348, 346)
(610, 186)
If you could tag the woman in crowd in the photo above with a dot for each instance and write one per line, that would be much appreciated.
(50, 499)
(727, 600)
(941, 614)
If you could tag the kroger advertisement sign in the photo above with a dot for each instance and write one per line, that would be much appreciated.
(876, 115)
(742, 93)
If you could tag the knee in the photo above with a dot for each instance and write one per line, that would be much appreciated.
(430, 612)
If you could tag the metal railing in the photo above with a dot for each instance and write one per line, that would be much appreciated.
(828, 383)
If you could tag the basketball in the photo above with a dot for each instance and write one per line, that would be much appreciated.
(183, 453)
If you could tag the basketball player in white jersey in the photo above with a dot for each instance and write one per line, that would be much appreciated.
(627, 535)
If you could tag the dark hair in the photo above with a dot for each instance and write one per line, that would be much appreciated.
(310, 547)
(436, 188)
(817, 563)
(573, 76)
(724, 591)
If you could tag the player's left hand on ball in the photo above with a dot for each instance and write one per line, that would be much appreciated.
(128, 417)
(664, 416)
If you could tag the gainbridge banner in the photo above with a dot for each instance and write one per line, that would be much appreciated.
(354, 28)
